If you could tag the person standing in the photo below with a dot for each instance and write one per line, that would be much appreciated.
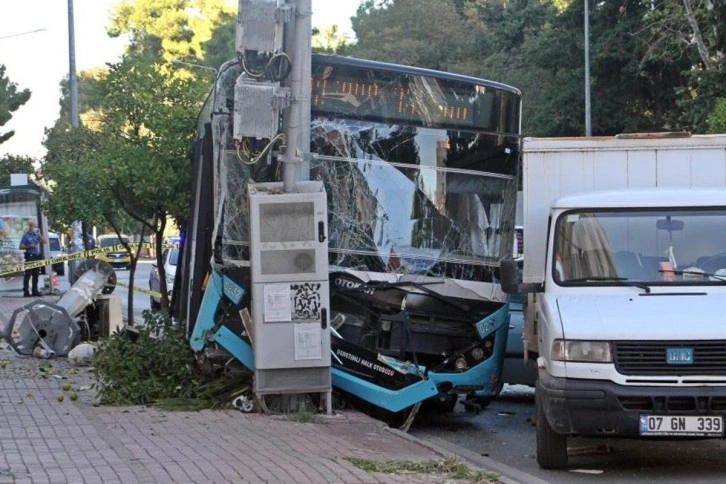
(31, 244)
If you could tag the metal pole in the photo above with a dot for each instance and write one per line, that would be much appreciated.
(294, 153)
(588, 113)
(78, 233)
(72, 84)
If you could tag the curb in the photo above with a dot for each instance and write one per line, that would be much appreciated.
(506, 474)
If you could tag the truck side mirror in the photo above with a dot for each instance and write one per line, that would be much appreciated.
(510, 277)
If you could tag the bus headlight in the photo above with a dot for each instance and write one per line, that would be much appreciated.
(477, 353)
(591, 351)
(460, 364)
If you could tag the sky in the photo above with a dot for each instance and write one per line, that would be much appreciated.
(34, 49)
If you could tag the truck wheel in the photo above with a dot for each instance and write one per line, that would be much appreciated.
(551, 446)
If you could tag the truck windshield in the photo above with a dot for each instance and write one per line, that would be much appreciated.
(664, 246)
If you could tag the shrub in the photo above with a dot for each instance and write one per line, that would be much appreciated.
(140, 368)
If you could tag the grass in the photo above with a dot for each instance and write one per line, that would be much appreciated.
(449, 468)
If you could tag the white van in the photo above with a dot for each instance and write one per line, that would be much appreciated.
(55, 250)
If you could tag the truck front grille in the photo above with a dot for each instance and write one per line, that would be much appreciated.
(649, 358)
(650, 403)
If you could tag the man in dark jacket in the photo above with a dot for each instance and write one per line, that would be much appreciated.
(31, 244)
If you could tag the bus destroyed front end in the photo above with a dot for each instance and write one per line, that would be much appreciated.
(458, 341)
(414, 251)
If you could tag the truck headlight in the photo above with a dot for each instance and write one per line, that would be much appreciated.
(592, 351)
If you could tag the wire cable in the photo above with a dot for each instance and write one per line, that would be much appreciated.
(247, 158)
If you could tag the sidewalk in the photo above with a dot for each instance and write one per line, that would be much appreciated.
(43, 440)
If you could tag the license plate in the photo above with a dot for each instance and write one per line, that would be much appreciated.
(681, 425)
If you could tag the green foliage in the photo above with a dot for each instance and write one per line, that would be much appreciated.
(717, 118)
(648, 70)
(10, 164)
(330, 40)
(157, 366)
(385, 32)
(154, 364)
(220, 47)
(450, 468)
(10, 101)
(131, 168)
(169, 28)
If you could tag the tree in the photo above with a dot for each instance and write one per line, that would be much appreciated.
(220, 47)
(387, 31)
(10, 101)
(169, 28)
(10, 164)
(330, 40)
(717, 118)
(694, 34)
(135, 166)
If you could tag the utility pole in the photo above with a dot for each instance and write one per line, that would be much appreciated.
(300, 48)
(588, 114)
(72, 82)
(79, 228)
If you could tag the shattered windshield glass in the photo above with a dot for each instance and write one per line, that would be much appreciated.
(397, 206)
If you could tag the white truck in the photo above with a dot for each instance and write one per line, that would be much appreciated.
(624, 280)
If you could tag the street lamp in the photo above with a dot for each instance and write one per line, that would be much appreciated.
(197, 66)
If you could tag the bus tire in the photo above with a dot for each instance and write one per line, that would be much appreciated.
(551, 446)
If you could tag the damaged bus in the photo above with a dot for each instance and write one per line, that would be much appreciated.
(420, 169)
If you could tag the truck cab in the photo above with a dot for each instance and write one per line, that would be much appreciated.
(626, 324)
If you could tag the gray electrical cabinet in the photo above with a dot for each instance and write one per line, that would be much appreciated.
(290, 288)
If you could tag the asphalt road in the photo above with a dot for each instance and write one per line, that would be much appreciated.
(503, 435)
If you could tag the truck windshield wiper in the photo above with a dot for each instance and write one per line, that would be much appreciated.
(623, 280)
(718, 277)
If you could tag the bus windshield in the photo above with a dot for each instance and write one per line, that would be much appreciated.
(410, 214)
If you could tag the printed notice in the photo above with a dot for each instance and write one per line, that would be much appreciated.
(308, 341)
(278, 306)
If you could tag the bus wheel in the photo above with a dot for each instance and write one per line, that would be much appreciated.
(551, 446)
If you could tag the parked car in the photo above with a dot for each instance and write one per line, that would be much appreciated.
(169, 258)
(55, 250)
(118, 258)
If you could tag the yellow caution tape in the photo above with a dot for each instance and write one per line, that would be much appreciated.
(140, 289)
(85, 254)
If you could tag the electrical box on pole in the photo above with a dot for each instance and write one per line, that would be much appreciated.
(259, 98)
